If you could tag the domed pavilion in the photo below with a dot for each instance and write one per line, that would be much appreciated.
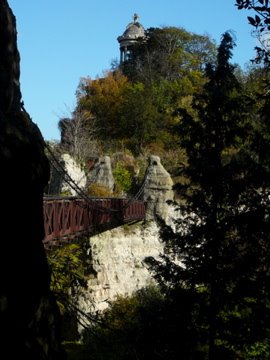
(134, 31)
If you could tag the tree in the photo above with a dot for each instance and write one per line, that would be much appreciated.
(146, 115)
(140, 118)
(261, 23)
(68, 277)
(225, 216)
(146, 325)
(134, 108)
(169, 53)
(79, 135)
(102, 99)
(133, 115)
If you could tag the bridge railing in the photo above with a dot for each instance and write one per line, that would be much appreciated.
(67, 216)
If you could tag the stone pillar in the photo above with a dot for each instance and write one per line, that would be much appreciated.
(157, 190)
(28, 313)
(102, 174)
(121, 56)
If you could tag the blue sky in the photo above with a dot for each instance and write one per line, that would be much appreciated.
(61, 41)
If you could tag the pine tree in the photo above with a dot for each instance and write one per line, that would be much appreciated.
(223, 240)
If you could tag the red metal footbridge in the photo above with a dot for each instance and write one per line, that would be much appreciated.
(66, 218)
(69, 217)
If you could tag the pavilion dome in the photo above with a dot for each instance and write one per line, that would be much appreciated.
(134, 30)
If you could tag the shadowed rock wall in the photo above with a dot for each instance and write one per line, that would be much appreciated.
(28, 314)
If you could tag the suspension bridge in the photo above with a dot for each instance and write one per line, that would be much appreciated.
(67, 218)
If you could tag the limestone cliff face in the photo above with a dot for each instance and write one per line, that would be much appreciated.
(58, 184)
(117, 258)
(100, 173)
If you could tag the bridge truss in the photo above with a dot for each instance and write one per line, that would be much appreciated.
(68, 217)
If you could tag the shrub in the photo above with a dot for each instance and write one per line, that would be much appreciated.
(147, 325)
(97, 190)
(67, 272)
(122, 178)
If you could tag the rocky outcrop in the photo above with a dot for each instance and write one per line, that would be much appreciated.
(101, 173)
(117, 257)
(58, 184)
(157, 190)
(28, 313)
(117, 261)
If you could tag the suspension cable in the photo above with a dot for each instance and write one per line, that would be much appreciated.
(67, 178)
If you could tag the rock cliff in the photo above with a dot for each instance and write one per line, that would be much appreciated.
(58, 185)
(29, 324)
(117, 259)
(117, 256)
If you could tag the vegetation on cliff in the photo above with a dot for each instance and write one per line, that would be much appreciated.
(171, 100)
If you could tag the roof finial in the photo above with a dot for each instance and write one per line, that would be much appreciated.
(135, 18)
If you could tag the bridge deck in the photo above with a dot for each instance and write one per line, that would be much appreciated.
(68, 217)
